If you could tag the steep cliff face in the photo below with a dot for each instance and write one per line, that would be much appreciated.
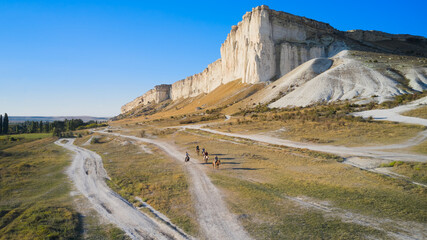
(265, 46)
(203, 82)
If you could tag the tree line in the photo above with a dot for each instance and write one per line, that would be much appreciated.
(55, 127)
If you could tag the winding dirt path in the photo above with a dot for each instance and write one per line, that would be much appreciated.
(367, 158)
(88, 174)
(214, 218)
(339, 150)
(393, 114)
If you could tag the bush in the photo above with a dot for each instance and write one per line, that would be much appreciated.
(95, 140)
(142, 133)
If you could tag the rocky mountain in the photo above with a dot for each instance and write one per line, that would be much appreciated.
(303, 61)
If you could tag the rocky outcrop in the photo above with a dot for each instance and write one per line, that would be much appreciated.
(160, 93)
(265, 46)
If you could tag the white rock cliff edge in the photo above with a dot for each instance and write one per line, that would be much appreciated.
(264, 46)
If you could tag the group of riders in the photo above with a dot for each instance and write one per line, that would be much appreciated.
(205, 155)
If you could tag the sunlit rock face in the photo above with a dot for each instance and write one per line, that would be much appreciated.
(160, 93)
(264, 46)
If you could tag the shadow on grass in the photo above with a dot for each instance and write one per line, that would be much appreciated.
(250, 169)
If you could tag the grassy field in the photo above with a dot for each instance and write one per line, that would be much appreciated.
(343, 132)
(8, 141)
(420, 148)
(156, 179)
(257, 179)
(420, 112)
(415, 171)
(35, 201)
(27, 136)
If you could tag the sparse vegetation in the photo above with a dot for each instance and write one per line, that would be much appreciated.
(322, 128)
(34, 190)
(420, 112)
(156, 179)
(415, 171)
(256, 187)
(195, 119)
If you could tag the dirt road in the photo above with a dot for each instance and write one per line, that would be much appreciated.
(393, 114)
(88, 174)
(214, 218)
(339, 150)
(368, 158)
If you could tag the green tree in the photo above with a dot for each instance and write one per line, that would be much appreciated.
(41, 127)
(5, 124)
(1, 124)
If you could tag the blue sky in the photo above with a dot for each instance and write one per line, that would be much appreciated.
(91, 57)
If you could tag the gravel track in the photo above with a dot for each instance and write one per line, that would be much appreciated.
(88, 174)
(215, 219)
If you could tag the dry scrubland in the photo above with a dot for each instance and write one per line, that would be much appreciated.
(34, 192)
(257, 179)
(138, 170)
(419, 112)
(35, 200)
(340, 132)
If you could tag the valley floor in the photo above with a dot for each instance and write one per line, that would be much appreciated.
(266, 187)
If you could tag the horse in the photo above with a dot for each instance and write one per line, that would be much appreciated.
(216, 163)
(187, 158)
(206, 158)
(198, 152)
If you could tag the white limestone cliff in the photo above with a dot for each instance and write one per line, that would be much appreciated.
(265, 46)
(156, 95)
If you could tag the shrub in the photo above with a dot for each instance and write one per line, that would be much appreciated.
(95, 140)
(142, 133)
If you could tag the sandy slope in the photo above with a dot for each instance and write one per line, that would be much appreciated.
(88, 174)
(294, 79)
(213, 216)
(349, 80)
(417, 78)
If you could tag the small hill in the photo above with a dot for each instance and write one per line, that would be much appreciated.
(348, 80)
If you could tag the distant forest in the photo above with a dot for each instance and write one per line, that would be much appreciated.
(55, 127)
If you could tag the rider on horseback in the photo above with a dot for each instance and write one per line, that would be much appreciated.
(216, 163)
(187, 157)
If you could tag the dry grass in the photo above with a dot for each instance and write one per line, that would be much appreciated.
(226, 94)
(158, 180)
(415, 171)
(35, 201)
(420, 112)
(421, 148)
(257, 178)
(341, 132)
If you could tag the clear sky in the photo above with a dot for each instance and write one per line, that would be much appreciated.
(91, 57)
